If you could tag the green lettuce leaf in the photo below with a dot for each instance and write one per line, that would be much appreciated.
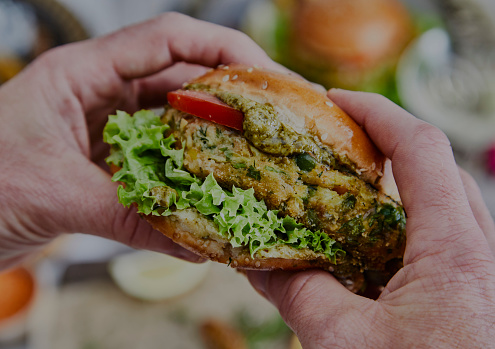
(148, 160)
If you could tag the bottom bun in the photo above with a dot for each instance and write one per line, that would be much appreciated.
(194, 232)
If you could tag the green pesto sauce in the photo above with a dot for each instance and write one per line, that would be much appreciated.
(385, 220)
(263, 129)
(266, 132)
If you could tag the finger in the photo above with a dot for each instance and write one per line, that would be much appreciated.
(153, 90)
(95, 210)
(424, 168)
(152, 93)
(315, 305)
(151, 46)
(101, 69)
(148, 48)
(479, 208)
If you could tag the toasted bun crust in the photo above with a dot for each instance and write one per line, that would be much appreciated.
(308, 111)
(221, 251)
(186, 234)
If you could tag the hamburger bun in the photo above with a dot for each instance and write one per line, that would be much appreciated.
(308, 112)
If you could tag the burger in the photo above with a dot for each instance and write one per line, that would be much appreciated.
(351, 44)
(260, 170)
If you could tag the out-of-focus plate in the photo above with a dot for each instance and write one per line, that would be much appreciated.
(30, 27)
(155, 276)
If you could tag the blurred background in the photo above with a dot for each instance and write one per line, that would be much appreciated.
(436, 58)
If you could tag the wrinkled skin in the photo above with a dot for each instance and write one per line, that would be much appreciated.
(444, 297)
(52, 116)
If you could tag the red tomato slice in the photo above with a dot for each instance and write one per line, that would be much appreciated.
(206, 106)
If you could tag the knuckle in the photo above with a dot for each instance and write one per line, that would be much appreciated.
(430, 136)
(54, 56)
(376, 101)
(241, 36)
(170, 21)
(428, 146)
(48, 59)
(172, 17)
(380, 99)
(52, 60)
(238, 38)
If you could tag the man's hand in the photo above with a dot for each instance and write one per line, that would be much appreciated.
(444, 297)
(52, 117)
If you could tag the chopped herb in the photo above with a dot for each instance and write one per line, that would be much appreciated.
(312, 190)
(203, 136)
(305, 162)
(228, 153)
(272, 169)
(353, 229)
(349, 202)
(254, 173)
(219, 132)
(387, 218)
(203, 132)
(312, 217)
(204, 140)
(237, 165)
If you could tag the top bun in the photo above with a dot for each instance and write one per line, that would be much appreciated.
(308, 111)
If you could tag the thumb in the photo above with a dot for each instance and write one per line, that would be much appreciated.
(317, 307)
(96, 211)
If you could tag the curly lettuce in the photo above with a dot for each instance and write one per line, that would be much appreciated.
(153, 177)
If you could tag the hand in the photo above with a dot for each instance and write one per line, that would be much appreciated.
(52, 117)
(445, 294)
